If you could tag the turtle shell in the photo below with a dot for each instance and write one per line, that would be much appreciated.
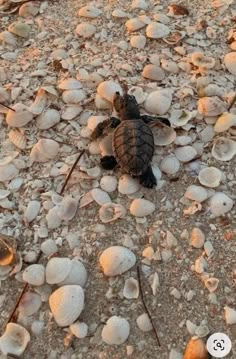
(133, 146)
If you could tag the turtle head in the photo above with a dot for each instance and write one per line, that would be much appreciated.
(126, 106)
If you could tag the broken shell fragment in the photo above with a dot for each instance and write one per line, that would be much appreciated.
(17, 138)
(163, 135)
(14, 340)
(224, 149)
(210, 177)
(85, 30)
(39, 103)
(116, 331)
(107, 90)
(211, 284)
(211, 106)
(141, 207)
(196, 349)
(89, 11)
(225, 121)
(220, 204)
(44, 150)
(200, 60)
(109, 212)
(131, 288)
(230, 315)
(197, 238)
(116, 260)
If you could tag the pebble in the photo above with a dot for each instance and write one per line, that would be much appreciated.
(85, 30)
(116, 331)
(141, 207)
(153, 72)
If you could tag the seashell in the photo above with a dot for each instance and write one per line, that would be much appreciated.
(8, 38)
(100, 196)
(85, 30)
(177, 10)
(70, 84)
(71, 112)
(14, 340)
(210, 177)
(134, 24)
(185, 153)
(211, 284)
(8, 172)
(49, 247)
(53, 220)
(105, 145)
(79, 329)
(107, 90)
(144, 323)
(157, 30)
(138, 93)
(183, 140)
(28, 9)
(138, 41)
(20, 29)
(220, 204)
(153, 72)
(57, 270)
(66, 304)
(211, 90)
(230, 315)
(39, 103)
(195, 349)
(230, 62)
(67, 208)
(131, 288)
(141, 207)
(17, 138)
(211, 106)
(85, 200)
(89, 11)
(44, 150)
(19, 118)
(170, 165)
(197, 238)
(163, 135)
(93, 121)
(191, 327)
(116, 331)
(158, 102)
(225, 121)
(48, 119)
(175, 355)
(73, 96)
(196, 193)
(200, 265)
(32, 211)
(219, 3)
(174, 38)
(200, 60)
(102, 103)
(224, 149)
(120, 14)
(29, 304)
(111, 211)
(201, 331)
(7, 250)
(116, 260)
(139, 4)
(77, 275)
(108, 183)
(128, 184)
(180, 118)
(170, 66)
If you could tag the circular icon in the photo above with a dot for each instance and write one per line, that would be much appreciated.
(219, 345)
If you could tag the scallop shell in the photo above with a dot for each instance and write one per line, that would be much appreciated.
(144, 323)
(211, 284)
(195, 349)
(128, 184)
(211, 106)
(196, 193)
(158, 102)
(44, 150)
(57, 270)
(157, 30)
(220, 204)
(20, 117)
(197, 238)
(70, 84)
(66, 304)
(14, 340)
(225, 121)
(230, 315)
(34, 274)
(110, 212)
(163, 135)
(107, 90)
(210, 177)
(170, 164)
(17, 138)
(116, 331)
(48, 119)
(200, 60)
(77, 275)
(116, 260)
(131, 288)
(100, 196)
(29, 304)
(224, 149)
(39, 103)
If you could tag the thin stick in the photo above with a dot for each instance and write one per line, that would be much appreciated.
(145, 306)
(18, 302)
(232, 102)
(71, 170)
(9, 108)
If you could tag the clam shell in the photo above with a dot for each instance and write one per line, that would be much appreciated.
(158, 102)
(57, 270)
(134, 24)
(110, 212)
(138, 41)
(44, 150)
(39, 103)
(116, 260)
(210, 177)
(73, 96)
(66, 304)
(116, 331)
(220, 204)
(29, 304)
(100, 196)
(28, 9)
(163, 135)
(230, 315)
(185, 153)
(180, 118)
(102, 104)
(120, 14)
(211, 284)
(8, 38)
(224, 149)
(141, 207)
(107, 90)
(144, 323)
(48, 119)
(195, 349)
(89, 11)
(32, 211)
(85, 30)
(108, 183)
(79, 329)
(128, 184)
(20, 29)
(14, 340)
(157, 30)
(67, 208)
(230, 62)
(19, 118)
(70, 84)
(153, 72)
(197, 238)
(49, 247)
(34, 274)
(71, 112)
(131, 288)
(225, 121)
(17, 138)
(196, 193)
(8, 172)
(53, 220)
(170, 164)
(77, 275)
(211, 106)
(138, 93)
(170, 66)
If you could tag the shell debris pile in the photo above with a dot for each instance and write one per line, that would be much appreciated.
(77, 250)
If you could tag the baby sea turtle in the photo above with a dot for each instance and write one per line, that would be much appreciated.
(132, 140)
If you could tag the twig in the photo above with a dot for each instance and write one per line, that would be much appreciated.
(71, 170)
(17, 303)
(9, 108)
(232, 102)
(145, 306)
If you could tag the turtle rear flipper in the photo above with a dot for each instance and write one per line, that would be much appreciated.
(147, 179)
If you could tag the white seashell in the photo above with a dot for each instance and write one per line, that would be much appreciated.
(131, 288)
(34, 274)
(211, 90)
(93, 121)
(108, 183)
(128, 184)
(17, 138)
(138, 93)
(196, 193)
(73, 96)
(85, 200)
(183, 140)
(28, 9)
(100, 196)
(29, 304)
(101, 103)
(8, 172)
(111, 211)
(71, 112)
(53, 220)
(89, 11)
(8, 38)
(19, 118)
(70, 84)
(211, 106)
(116, 260)
(225, 121)
(20, 29)
(77, 275)
(153, 72)
(44, 150)
(144, 323)
(185, 153)
(224, 149)
(79, 329)
(48, 119)
(138, 41)
(116, 331)
(210, 177)
(191, 327)
(163, 135)
(67, 208)
(85, 30)
(105, 145)
(170, 66)
(37, 327)
(230, 62)
(180, 118)
(200, 60)
(220, 204)
(134, 24)
(141, 207)
(200, 265)
(211, 284)
(208, 248)
(14, 340)
(57, 269)
(32, 211)
(39, 103)
(175, 355)
(197, 238)
(158, 102)
(202, 331)
(157, 30)
(107, 90)
(120, 14)
(170, 164)
(49, 247)
(66, 304)
(139, 4)
(230, 315)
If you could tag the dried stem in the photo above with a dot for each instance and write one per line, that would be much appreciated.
(145, 306)
(9, 108)
(11, 317)
(71, 170)
(232, 102)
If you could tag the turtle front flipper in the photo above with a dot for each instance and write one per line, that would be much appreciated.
(108, 162)
(147, 179)
(111, 122)
(147, 119)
